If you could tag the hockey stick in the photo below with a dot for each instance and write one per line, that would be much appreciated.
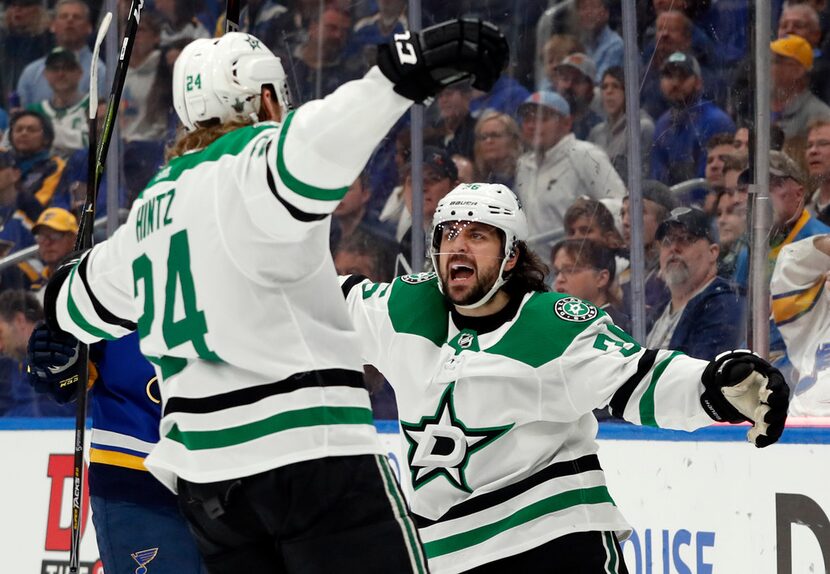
(232, 16)
(84, 241)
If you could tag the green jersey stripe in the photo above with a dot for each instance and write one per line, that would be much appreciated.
(647, 417)
(232, 143)
(78, 317)
(555, 503)
(169, 365)
(313, 416)
(401, 512)
(294, 184)
(612, 552)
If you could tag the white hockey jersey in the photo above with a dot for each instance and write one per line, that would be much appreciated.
(70, 124)
(497, 425)
(801, 309)
(224, 266)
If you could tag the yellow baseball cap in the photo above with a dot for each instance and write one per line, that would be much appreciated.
(794, 47)
(58, 219)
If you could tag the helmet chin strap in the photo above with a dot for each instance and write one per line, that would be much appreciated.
(497, 284)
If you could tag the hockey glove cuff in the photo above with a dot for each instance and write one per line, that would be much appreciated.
(741, 386)
(422, 64)
(50, 296)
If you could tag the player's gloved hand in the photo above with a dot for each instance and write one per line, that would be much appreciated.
(741, 386)
(421, 64)
(53, 363)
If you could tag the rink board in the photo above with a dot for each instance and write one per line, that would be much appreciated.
(699, 503)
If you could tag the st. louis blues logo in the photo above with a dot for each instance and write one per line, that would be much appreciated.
(144, 557)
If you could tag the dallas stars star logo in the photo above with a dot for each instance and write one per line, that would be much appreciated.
(252, 42)
(441, 445)
(238, 106)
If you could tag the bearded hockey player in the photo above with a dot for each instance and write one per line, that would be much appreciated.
(496, 381)
(223, 268)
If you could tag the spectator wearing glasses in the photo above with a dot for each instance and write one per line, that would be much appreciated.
(55, 233)
(818, 164)
(497, 148)
(791, 222)
(587, 269)
(703, 316)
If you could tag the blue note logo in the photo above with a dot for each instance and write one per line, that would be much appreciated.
(144, 557)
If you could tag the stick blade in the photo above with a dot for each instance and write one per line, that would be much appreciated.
(103, 28)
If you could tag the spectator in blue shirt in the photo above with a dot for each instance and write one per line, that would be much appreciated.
(20, 311)
(72, 29)
(704, 315)
(675, 32)
(369, 32)
(681, 133)
(602, 45)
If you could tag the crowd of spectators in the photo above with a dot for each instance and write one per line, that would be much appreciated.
(553, 129)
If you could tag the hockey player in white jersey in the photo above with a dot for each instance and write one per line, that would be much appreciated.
(223, 268)
(801, 309)
(496, 381)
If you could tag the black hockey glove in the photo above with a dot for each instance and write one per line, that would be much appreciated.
(422, 64)
(53, 363)
(741, 386)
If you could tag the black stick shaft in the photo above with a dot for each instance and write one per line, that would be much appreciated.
(117, 87)
(232, 16)
(97, 157)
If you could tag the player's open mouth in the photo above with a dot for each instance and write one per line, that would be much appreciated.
(460, 272)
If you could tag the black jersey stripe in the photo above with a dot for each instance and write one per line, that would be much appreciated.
(585, 463)
(296, 213)
(349, 283)
(242, 397)
(103, 313)
(620, 399)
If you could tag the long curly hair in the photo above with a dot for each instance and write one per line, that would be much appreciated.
(528, 274)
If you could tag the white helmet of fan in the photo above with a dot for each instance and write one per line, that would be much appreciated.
(222, 79)
(490, 203)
